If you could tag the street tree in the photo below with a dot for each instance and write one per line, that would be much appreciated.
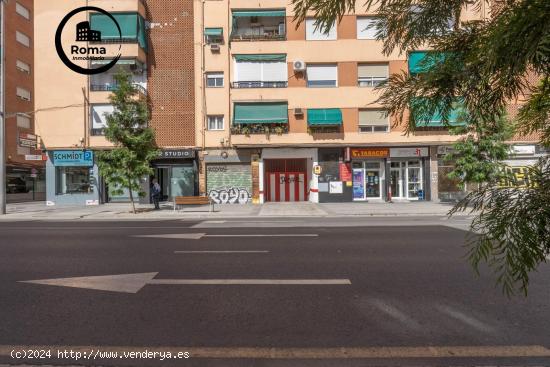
(483, 65)
(128, 162)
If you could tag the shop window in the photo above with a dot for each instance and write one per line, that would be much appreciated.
(73, 180)
(214, 80)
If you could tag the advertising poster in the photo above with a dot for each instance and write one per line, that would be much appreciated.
(336, 187)
(358, 184)
(345, 171)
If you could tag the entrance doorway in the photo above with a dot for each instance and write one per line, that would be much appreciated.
(406, 179)
(175, 181)
(367, 180)
(286, 180)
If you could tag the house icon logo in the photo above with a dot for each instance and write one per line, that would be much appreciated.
(85, 34)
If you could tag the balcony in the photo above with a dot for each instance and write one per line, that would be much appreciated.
(259, 25)
(259, 84)
(105, 82)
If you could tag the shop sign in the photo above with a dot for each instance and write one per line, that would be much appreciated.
(73, 158)
(409, 152)
(370, 153)
(35, 157)
(175, 154)
(27, 140)
(317, 170)
(523, 149)
(345, 171)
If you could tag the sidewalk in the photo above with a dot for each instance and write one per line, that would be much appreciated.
(39, 211)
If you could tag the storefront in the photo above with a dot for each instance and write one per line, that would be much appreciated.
(177, 174)
(408, 178)
(229, 176)
(72, 178)
(369, 173)
(25, 184)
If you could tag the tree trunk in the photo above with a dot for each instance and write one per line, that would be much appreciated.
(132, 198)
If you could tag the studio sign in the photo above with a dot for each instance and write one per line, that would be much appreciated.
(80, 50)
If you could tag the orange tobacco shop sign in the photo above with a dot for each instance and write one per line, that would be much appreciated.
(370, 153)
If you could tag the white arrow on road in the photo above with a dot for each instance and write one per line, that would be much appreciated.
(132, 283)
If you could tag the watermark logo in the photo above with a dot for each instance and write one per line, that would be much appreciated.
(79, 51)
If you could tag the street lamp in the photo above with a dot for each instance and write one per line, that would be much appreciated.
(2, 110)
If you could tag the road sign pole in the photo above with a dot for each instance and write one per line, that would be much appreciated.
(2, 110)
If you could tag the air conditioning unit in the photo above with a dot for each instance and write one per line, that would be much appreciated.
(299, 65)
(215, 47)
(298, 112)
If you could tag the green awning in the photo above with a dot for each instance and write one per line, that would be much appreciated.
(420, 110)
(132, 26)
(422, 61)
(261, 57)
(324, 116)
(258, 13)
(213, 31)
(260, 113)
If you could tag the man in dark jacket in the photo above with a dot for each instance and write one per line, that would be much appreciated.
(155, 193)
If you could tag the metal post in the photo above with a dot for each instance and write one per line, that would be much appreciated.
(2, 111)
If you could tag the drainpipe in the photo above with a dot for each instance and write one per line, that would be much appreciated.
(2, 110)
(203, 76)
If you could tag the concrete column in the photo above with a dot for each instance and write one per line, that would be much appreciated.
(255, 168)
(261, 181)
(434, 179)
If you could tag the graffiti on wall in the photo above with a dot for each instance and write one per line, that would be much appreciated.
(230, 195)
(517, 177)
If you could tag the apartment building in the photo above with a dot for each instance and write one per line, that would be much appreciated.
(25, 168)
(156, 47)
(289, 113)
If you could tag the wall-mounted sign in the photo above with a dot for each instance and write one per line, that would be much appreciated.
(27, 140)
(317, 169)
(369, 153)
(36, 157)
(175, 154)
(335, 187)
(345, 171)
(409, 152)
(73, 158)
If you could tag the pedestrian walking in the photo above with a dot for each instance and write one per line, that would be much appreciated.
(155, 193)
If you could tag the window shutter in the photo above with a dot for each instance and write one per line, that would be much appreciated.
(372, 117)
(274, 71)
(366, 29)
(322, 72)
(369, 70)
(316, 34)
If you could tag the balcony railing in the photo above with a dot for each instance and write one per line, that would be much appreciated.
(250, 35)
(113, 87)
(260, 84)
(255, 129)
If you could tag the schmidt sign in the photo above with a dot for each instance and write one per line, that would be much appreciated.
(73, 158)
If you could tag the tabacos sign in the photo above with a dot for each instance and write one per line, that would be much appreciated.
(87, 44)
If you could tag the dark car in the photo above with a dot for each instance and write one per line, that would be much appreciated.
(16, 185)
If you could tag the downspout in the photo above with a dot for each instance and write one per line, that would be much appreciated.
(229, 25)
(203, 76)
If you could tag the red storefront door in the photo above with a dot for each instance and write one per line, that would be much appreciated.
(286, 180)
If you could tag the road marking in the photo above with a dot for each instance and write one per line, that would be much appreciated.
(395, 314)
(505, 351)
(133, 283)
(222, 252)
(468, 320)
(198, 236)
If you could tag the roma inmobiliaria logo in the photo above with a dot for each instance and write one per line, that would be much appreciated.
(88, 45)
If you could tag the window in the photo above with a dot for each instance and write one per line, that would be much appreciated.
(99, 117)
(22, 66)
(370, 75)
(23, 94)
(214, 80)
(314, 33)
(322, 75)
(21, 10)
(215, 122)
(73, 180)
(373, 121)
(23, 121)
(366, 28)
(22, 39)
(213, 35)
(260, 71)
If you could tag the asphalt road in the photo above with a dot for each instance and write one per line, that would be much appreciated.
(396, 295)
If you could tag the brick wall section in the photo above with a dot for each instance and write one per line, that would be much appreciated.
(171, 72)
(16, 78)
